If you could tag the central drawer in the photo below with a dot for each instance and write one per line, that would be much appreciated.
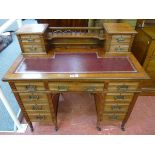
(88, 87)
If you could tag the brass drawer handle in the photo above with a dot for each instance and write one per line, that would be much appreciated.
(33, 97)
(30, 40)
(119, 49)
(122, 88)
(114, 117)
(33, 48)
(116, 107)
(62, 88)
(37, 107)
(30, 88)
(40, 117)
(91, 89)
(119, 97)
(120, 39)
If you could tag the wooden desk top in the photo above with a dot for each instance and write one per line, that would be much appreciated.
(70, 66)
(32, 28)
(116, 28)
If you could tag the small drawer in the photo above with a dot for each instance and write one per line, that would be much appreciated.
(40, 117)
(124, 97)
(113, 116)
(33, 48)
(30, 97)
(88, 87)
(34, 36)
(37, 107)
(119, 48)
(121, 39)
(123, 86)
(116, 107)
(29, 86)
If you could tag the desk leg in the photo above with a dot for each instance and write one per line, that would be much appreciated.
(129, 110)
(99, 98)
(54, 106)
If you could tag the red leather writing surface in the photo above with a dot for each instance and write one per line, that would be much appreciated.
(75, 63)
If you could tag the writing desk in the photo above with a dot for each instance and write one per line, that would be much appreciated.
(113, 80)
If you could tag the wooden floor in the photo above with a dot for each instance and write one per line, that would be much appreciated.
(77, 116)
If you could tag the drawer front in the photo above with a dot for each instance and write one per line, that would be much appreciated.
(40, 117)
(29, 86)
(26, 36)
(37, 107)
(121, 39)
(33, 48)
(31, 97)
(31, 39)
(88, 87)
(122, 97)
(119, 48)
(123, 86)
(114, 116)
(116, 108)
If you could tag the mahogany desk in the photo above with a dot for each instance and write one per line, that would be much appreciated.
(113, 80)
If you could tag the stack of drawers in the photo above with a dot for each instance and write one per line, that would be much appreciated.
(117, 100)
(32, 38)
(119, 37)
(35, 101)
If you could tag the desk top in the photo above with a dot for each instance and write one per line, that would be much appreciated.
(76, 66)
(75, 63)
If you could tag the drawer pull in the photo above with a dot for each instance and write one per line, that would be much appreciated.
(37, 107)
(62, 88)
(30, 40)
(114, 117)
(122, 88)
(119, 49)
(91, 89)
(31, 88)
(118, 97)
(116, 107)
(33, 97)
(120, 39)
(33, 48)
(40, 117)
